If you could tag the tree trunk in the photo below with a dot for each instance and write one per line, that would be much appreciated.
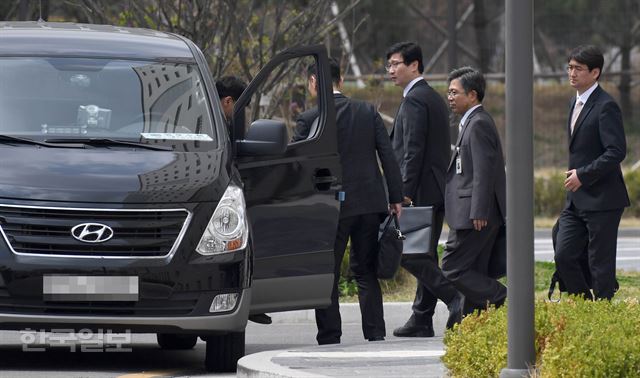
(624, 86)
(44, 11)
(23, 12)
(480, 26)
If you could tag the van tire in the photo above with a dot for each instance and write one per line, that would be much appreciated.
(224, 351)
(176, 341)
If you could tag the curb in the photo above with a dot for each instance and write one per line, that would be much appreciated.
(393, 358)
(395, 315)
(259, 365)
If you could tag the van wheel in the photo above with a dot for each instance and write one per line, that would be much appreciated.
(176, 341)
(224, 351)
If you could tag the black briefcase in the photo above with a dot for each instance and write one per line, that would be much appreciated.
(416, 224)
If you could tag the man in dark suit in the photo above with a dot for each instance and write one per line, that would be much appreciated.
(362, 138)
(475, 196)
(229, 90)
(596, 193)
(420, 140)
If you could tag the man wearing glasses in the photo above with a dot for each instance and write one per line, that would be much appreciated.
(420, 140)
(475, 196)
(596, 193)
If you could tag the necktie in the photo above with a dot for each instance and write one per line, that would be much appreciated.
(576, 112)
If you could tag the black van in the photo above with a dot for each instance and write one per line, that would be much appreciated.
(128, 204)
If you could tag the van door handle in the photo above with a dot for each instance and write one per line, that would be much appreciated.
(323, 179)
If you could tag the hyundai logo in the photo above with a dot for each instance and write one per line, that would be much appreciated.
(92, 232)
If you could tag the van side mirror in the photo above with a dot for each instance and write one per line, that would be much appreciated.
(264, 137)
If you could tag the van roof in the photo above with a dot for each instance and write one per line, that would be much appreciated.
(37, 38)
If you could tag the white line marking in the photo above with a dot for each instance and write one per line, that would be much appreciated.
(379, 354)
(620, 258)
(628, 258)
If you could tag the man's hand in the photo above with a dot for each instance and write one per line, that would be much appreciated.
(479, 224)
(572, 182)
(407, 201)
(395, 208)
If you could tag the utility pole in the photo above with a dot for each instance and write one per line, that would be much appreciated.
(344, 37)
(520, 262)
(452, 30)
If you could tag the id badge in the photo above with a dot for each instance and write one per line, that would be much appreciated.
(458, 162)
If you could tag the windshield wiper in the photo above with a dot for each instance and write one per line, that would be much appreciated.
(108, 142)
(15, 139)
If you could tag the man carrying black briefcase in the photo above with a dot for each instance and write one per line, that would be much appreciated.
(362, 138)
(421, 142)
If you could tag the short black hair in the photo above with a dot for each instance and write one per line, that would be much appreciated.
(230, 86)
(410, 52)
(470, 79)
(334, 67)
(589, 55)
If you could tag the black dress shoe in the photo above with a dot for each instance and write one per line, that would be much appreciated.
(260, 318)
(455, 312)
(413, 331)
(376, 338)
(328, 341)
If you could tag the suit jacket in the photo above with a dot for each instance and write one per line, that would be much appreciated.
(421, 142)
(479, 192)
(596, 149)
(303, 124)
(362, 138)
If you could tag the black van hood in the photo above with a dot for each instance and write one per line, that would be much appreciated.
(110, 176)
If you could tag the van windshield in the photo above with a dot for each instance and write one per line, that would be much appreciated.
(44, 98)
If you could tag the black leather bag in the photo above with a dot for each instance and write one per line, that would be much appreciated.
(417, 227)
(584, 266)
(389, 248)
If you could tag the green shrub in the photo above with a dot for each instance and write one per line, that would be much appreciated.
(477, 347)
(632, 179)
(588, 339)
(550, 195)
(574, 338)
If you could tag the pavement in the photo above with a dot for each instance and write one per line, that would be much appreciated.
(394, 357)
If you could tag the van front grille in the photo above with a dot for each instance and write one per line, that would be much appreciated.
(137, 233)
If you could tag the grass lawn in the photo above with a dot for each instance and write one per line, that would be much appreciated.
(402, 288)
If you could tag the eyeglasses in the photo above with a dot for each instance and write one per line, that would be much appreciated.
(393, 64)
(577, 69)
(453, 93)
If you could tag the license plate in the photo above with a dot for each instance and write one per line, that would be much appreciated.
(90, 288)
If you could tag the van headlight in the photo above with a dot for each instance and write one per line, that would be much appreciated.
(227, 230)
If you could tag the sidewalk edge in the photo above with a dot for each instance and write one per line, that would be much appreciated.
(259, 365)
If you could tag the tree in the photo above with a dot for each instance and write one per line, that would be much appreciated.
(24, 10)
(611, 25)
(237, 36)
(617, 23)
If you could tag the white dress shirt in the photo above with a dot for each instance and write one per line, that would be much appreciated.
(410, 85)
(585, 95)
(466, 115)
